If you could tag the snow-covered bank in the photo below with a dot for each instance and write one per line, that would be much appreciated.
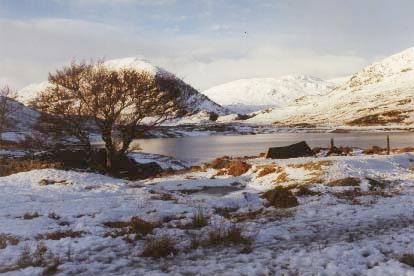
(342, 227)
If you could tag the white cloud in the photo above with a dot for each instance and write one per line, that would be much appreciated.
(36, 47)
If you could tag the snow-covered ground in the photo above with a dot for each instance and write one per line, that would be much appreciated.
(362, 229)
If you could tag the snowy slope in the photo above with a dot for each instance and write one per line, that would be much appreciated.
(85, 220)
(22, 118)
(197, 102)
(249, 95)
(380, 94)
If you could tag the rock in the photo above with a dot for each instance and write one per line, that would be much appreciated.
(300, 149)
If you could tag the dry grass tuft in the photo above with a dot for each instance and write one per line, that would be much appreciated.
(344, 182)
(159, 247)
(136, 226)
(12, 166)
(225, 236)
(282, 177)
(40, 257)
(268, 169)
(316, 168)
(199, 219)
(312, 166)
(6, 240)
(281, 197)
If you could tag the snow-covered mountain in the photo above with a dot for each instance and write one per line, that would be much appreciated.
(380, 94)
(196, 102)
(249, 95)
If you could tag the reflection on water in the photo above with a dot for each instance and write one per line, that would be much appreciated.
(201, 149)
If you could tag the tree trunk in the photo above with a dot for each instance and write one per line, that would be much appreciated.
(110, 151)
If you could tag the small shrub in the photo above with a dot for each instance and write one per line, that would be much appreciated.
(29, 216)
(199, 219)
(281, 197)
(159, 247)
(344, 182)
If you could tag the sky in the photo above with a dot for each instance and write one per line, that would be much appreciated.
(204, 42)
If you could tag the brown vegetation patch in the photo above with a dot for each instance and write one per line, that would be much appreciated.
(220, 163)
(29, 216)
(355, 193)
(343, 182)
(305, 191)
(375, 150)
(159, 247)
(10, 166)
(280, 197)
(238, 168)
(312, 166)
(238, 217)
(317, 169)
(58, 235)
(6, 239)
(403, 150)
(268, 169)
(282, 177)
(136, 226)
(384, 118)
(235, 167)
(407, 259)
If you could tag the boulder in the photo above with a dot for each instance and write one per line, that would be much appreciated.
(300, 149)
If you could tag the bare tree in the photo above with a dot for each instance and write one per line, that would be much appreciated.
(119, 103)
(7, 107)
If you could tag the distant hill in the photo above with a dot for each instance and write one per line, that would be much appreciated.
(249, 95)
(197, 102)
(381, 94)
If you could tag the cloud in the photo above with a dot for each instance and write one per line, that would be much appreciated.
(36, 47)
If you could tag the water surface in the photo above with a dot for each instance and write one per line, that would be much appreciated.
(205, 148)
